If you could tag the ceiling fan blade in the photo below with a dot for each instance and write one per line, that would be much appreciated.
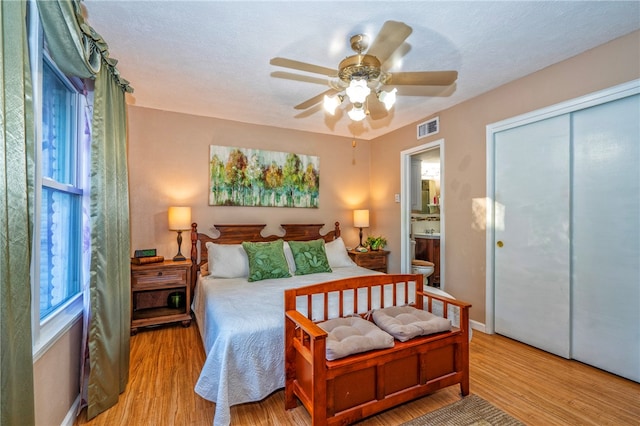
(396, 56)
(391, 36)
(315, 100)
(299, 77)
(423, 78)
(303, 66)
(309, 112)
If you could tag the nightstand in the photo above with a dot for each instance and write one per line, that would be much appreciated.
(372, 259)
(151, 285)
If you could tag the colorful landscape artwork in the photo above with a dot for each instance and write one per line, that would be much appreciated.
(259, 178)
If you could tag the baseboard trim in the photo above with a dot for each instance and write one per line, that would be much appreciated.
(70, 418)
(478, 326)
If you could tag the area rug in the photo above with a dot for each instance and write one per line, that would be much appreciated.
(470, 411)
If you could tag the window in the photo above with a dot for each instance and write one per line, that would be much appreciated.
(61, 234)
(61, 196)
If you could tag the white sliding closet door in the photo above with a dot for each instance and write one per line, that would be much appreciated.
(606, 237)
(531, 247)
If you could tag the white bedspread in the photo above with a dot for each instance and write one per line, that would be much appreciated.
(242, 329)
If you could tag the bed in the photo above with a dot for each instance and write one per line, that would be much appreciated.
(242, 323)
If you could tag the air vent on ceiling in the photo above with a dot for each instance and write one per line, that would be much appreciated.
(429, 128)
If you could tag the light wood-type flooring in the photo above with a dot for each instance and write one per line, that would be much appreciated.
(531, 385)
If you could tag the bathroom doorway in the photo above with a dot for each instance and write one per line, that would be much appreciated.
(422, 208)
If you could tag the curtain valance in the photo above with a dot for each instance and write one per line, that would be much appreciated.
(75, 46)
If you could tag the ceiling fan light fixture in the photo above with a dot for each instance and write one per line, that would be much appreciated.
(358, 91)
(388, 98)
(357, 76)
(330, 103)
(357, 113)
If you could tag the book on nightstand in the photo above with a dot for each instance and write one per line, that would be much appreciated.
(147, 260)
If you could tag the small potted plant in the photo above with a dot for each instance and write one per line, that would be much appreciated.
(376, 243)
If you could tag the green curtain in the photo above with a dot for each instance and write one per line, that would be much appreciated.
(78, 50)
(68, 38)
(109, 328)
(16, 217)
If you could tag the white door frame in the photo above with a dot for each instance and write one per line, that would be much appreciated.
(405, 206)
(596, 98)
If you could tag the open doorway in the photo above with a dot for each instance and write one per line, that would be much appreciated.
(422, 209)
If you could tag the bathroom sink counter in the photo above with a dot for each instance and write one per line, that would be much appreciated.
(430, 236)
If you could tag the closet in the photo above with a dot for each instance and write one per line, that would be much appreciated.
(565, 235)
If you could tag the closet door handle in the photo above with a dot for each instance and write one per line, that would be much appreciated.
(499, 243)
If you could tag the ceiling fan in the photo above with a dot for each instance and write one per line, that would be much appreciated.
(359, 75)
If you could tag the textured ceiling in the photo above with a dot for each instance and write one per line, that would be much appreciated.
(211, 58)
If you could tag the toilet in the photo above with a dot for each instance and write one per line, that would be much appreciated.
(423, 267)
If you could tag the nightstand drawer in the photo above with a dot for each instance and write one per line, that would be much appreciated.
(155, 278)
(376, 260)
(373, 261)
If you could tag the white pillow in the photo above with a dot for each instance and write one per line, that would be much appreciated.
(227, 260)
(353, 335)
(337, 254)
(407, 322)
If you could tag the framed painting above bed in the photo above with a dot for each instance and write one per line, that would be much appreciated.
(259, 178)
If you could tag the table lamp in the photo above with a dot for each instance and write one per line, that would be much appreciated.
(179, 220)
(360, 220)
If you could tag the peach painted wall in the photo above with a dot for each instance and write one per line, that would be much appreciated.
(463, 127)
(57, 377)
(169, 165)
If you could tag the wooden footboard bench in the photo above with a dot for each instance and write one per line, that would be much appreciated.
(346, 390)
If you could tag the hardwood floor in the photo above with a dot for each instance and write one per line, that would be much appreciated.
(531, 385)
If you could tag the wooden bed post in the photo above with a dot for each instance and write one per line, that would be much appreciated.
(194, 256)
(289, 353)
(289, 365)
(319, 382)
(464, 326)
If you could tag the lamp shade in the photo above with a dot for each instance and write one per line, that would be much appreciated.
(361, 218)
(358, 91)
(357, 113)
(179, 218)
(330, 103)
(388, 98)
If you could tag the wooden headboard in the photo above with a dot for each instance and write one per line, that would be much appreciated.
(236, 234)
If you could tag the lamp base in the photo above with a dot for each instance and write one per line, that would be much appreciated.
(179, 257)
(360, 247)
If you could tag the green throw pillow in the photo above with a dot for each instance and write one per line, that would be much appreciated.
(266, 260)
(310, 257)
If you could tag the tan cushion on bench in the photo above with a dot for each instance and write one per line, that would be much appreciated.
(407, 322)
(353, 335)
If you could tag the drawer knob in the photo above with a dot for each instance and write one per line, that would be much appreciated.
(159, 273)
